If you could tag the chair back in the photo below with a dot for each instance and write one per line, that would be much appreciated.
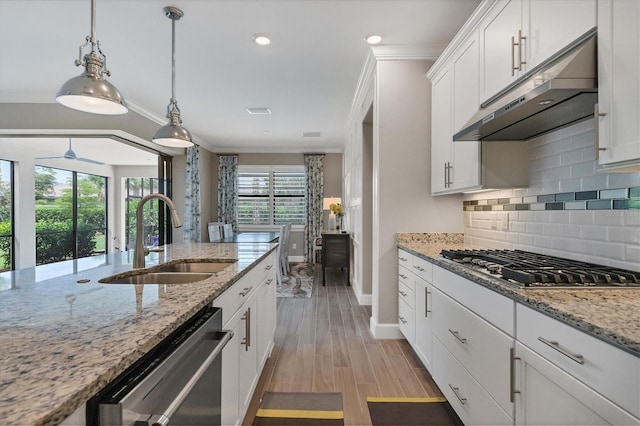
(214, 232)
(227, 230)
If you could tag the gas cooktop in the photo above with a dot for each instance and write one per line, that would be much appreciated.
(532, 270)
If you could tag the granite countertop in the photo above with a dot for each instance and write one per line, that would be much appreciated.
(612, 315)
(61, 341)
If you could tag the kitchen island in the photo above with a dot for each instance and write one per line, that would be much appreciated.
(64, 336)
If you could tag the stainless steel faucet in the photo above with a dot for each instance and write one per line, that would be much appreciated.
(141, 250)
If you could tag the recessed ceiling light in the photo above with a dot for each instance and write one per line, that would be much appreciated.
(373, 39)
(258, 110)
(262, 39)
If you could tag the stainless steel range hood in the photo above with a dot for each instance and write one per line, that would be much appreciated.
(556, 94)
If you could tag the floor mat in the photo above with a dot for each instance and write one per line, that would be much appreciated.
(299, 282)
(411, 411)
(300, 408)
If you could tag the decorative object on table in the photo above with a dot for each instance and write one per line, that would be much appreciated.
(337, 210)
(300, 408)
(299, 283)
(412, 411)
(326, 205)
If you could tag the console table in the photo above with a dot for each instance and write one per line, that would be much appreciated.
(336, 252)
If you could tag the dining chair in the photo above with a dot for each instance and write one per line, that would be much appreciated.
(227, 230)
(214, 232)
(285, 232)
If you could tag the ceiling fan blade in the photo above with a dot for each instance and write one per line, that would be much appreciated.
(88, 160)
(47, 158)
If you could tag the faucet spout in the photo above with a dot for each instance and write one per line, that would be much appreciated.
(141, 250)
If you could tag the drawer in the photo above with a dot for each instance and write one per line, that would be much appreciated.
(405, 293)
(422, 268)
(493, 307)
(404, 275)
(471, 402)
(480, 347)
(405, 320)
(404, 259)
(610, 371)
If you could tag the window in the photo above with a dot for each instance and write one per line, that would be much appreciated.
(271, 196)
(71, 215)
(6, 216)
(135, 189)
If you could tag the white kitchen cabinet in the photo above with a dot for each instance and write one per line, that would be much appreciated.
(519, 35)
(405, 304)
(249, 310)
(423, 321)
(441, 133)
(545, 395)
(618, 124)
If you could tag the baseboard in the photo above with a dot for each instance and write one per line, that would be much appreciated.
(385, 331)
(363, 299)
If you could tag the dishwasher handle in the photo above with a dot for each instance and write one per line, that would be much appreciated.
(164, 418)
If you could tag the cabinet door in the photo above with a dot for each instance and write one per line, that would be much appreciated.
(498, 55)
(441, 131)
(547, 395)
(549, 29)
(422, 314)
(230, 409)
(247, 354)
(618, 83)
(266, 319)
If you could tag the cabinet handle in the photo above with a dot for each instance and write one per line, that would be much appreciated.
(512, 375)
(419, 268)
(402, 259)
(247, 329)
(555, 345)
(245, 291)
(426, 302)
(513, 56)
(268, 267)
(521, 39)
(596, 124)
(402, 276)
(449, 181)
(403, 293)
(456, 334)
(456, 392)
(446, 183)
(269, 281)
(402, 320)
(521, 45)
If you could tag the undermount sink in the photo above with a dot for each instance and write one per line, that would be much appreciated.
(158, 278)
(206, 267)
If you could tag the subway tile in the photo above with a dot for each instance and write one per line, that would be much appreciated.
(608, 217)
(599, 205)
(537, 206)
(626, 235)
(530, 199)
(634, 192)
(504, 200)
(587, 195)
(575, 205)
(595, 181)
(492, 201)
(522, 206)
(631, 204)
(546, 198)
(565, 196)
(597, 233)
(515, 200)
(497, 207)
(609, 250)
(609, 194)
(571, 231)
(554, 206)
(509, 207)
(624, 180)
(482, 202)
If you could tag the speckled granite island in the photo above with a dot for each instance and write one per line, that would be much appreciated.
(64, 336)
(611, 315)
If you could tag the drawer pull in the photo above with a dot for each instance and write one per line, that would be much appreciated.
(456, 334)
(403, 293)
(402, 320)
(268, 267)
(245, 291)
(419, 268)
(402, 259)
(512, 375)
(555, 345)
(402, 276)
(456, 392)
(247, 329)
(426, 302)
(269, 281)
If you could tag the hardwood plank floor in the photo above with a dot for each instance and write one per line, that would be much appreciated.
(323, 344)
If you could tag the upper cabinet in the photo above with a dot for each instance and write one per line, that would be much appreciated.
(618, 122)
(518, 35)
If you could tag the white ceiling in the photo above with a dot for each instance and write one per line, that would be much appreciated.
(307, 76)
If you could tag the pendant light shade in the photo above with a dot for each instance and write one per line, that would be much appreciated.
(90, 92)
(173, 134)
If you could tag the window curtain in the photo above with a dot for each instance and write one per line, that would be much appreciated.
(228, 190)
(191, 223)
(314, 176)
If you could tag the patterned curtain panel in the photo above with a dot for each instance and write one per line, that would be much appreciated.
(228, 190)
(191, 222)
(314, 175)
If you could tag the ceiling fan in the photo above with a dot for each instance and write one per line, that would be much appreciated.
(70, 155)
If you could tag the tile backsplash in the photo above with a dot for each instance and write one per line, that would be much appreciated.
(568, 210)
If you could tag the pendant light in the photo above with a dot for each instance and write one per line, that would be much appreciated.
(173, 134)
(90, 92)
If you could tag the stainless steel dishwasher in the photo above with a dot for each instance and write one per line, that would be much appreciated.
(177, 383)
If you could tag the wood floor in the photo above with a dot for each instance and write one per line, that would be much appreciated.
(323, 344)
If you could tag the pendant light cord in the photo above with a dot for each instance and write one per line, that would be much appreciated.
(173, 59)
(93, 26)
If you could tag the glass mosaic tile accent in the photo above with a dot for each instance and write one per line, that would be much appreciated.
(605, 199)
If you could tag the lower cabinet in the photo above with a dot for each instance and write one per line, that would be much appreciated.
(253, 325)
(423, 320)
(548, 395)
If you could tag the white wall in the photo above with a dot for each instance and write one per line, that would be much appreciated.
(563, 161)
(401, 185)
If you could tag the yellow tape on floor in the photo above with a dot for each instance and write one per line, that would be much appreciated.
(409, 399)
(299, 414)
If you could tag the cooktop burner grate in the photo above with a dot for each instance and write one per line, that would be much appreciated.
(527, 269)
